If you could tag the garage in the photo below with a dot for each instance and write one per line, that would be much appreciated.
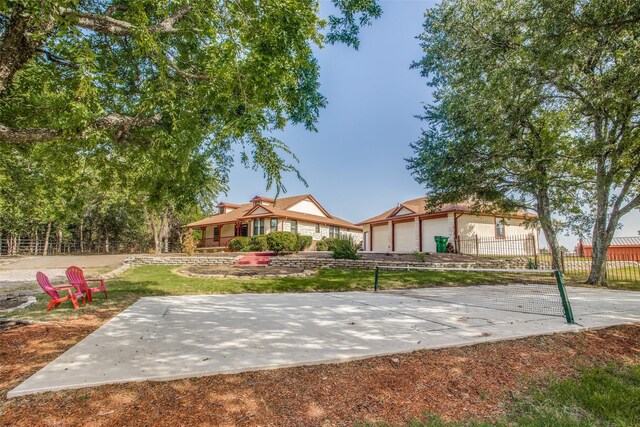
(380, 238)
(432, 228)
(405, 237)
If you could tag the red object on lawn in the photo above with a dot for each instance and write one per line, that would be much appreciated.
(76, 278)
(56, 299)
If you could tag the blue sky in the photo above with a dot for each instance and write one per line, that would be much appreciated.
(354, 165)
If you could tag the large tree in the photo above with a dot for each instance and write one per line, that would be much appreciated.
(536, 106)
(207, 72)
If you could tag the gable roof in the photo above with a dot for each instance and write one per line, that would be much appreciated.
(419, 208)
(278, 208)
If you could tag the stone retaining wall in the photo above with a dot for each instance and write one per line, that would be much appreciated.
(307, 263)
(181, 260)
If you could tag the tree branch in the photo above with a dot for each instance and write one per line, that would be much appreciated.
(54, 58)
(119, 122)
(116, 27)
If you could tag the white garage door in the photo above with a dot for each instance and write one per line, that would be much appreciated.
(406, 237)
(432, 228)
(380, 236)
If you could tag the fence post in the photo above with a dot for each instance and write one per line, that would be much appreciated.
(477, 246)
(562, 261)
(375, 284)
(568, 313)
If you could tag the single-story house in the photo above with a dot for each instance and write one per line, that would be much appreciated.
(302, 215)
(621, 248)
(409, 227)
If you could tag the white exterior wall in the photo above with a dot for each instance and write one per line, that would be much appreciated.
(483, 226)
(405, 234)
(208, 232)
(308, 207)
(228, 230)
(435, 227)
(355, 235)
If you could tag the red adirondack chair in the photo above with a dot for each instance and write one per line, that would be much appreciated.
(76, 278)
(56, 299)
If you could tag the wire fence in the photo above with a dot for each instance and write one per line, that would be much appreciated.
(34, 247)
(622, 265)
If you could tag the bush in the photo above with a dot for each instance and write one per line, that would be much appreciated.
(326, 244)
(282, 241)
(322, 245)
(345, 248)
(238, 244)
(420, 256)
(258, 243)
(304, 242)
(189, 243)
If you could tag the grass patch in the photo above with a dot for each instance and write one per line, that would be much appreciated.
(603, 396)
(145, 281)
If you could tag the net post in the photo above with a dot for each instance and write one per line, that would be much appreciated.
(568, 313)
(375, 283)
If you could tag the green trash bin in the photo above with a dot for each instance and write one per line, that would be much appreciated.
(441, 244)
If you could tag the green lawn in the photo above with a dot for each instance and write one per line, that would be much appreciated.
(145, 281)
(623, 278)
(604, 396)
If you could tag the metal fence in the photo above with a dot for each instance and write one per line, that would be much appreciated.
(621, 268)
(22, 246)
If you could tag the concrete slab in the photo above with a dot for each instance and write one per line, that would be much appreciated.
(163, 338)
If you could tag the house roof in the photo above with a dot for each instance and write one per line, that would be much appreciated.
(618, 241)
(418, 207)
(278, 208)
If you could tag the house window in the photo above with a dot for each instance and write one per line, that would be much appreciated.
(274, 224)
(317, 228)
(216, 233)
(500, 228)
(334, 231)
(258, 226)
(294, 226)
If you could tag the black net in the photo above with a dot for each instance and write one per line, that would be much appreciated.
(525, 291)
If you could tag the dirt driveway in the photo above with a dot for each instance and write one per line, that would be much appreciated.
(18, 274)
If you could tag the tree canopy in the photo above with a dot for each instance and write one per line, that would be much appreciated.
(154, 97)
(537, 107)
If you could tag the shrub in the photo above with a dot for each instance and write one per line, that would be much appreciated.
(238, 244)
(322, 245)
(282, 241)
(258, 243)
(189, 243)
(326, 244)
(304, 242)
(420, 256)
(345, 248)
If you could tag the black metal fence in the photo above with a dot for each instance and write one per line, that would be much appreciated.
(621, 268)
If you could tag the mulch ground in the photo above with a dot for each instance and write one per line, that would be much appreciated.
(459, 383)
(238, 270)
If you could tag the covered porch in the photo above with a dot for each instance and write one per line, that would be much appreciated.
(219, 235)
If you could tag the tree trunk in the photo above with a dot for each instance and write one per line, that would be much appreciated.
(106, 243)
(546, 223)
(82, 235)
(59, 242)
(601, 240)
(155, 231)
(45, 247)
